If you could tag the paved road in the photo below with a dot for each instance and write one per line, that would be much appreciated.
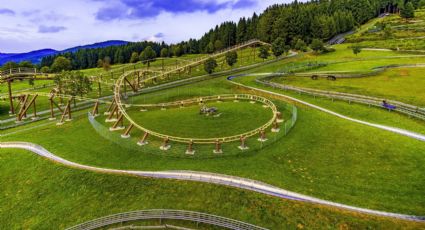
(213, 178)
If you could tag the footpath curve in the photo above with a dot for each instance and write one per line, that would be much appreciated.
(205, 177)
(403, 132)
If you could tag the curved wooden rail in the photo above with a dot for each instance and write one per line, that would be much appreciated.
(121, 106)
(205, 99)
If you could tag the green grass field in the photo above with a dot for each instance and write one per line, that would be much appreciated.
(403, 34)
(37, 194)
(300, 162)
(322, 156)
(233, 118)
(402, 84)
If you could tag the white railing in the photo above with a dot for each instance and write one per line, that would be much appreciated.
(401, 107)
(166, 214)
(221, 179)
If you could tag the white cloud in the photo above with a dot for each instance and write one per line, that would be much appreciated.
(20, 33)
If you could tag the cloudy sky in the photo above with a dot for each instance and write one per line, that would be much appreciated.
(29, 25)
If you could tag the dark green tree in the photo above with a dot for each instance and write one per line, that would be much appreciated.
(210, 48)
(106, 63)
(10, 65)
(231, 58)
(45, 69)
(387, 32)
(31, 82)
(278, 47)
(218, 45)
(356, 49)
(210, 65)
(300, 45)
(100, 63)
(61, 64)
(421, 4)
(264, 52)
(317, 45)
(178, 51)
(147, 56)
(75, 84)
(164, 52)
(134, 57)
(408, 11)
(26, 64)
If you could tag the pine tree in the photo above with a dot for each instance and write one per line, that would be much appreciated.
(278, 47)
(210, 65)
(421, 4)
(317, 45)
(164, 52)
(408, 11)
(231, 58)
(300, 45)
(147, 56)
(134, 57)
(356, 49)
(264, 52)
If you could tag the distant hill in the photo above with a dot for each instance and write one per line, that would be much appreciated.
(33, 56)
(36, 55)
(97, 45)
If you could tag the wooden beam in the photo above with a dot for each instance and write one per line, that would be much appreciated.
(9, 86)
(95, 109)
(25, 107)
(18, 116)
(119, 120)
(131, 85)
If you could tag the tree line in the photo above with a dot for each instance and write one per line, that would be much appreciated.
(289, 25)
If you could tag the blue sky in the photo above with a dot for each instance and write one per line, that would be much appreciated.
(28, 25)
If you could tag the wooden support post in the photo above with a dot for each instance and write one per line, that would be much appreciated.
(262, 137)
(117, 122)
(66, 111)
(165, 144)
(111, 106)
(21, 111)
(190, 150)
(275, 128)
(279, 118)
(218, 149)
(127, 131)
(35, 110)
(69, 111)
(9, 86)
(112, 113)
(52, 112)
(134, 88)
(95, 111)
(143, 141)
(243, 144)
(99, 88)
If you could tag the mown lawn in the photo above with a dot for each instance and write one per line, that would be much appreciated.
(402, 84)
(322, 156)
(232, 118)
(39, 194)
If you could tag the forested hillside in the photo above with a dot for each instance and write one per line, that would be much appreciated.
(320, 19)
